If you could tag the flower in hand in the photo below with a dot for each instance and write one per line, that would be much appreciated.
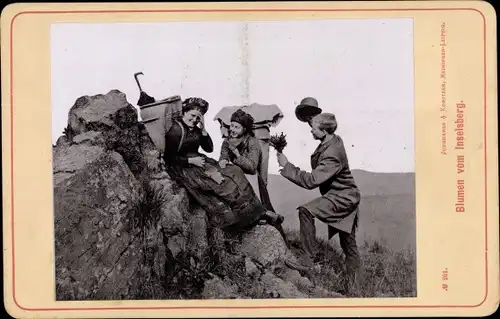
(278, 142)
(282, 160)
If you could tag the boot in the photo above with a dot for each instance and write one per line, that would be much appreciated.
(303, 263)
(273, 219)
(351, 284)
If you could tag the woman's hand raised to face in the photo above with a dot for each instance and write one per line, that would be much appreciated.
(197, 161)
(201, 120)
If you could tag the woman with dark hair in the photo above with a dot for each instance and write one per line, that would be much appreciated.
(241, 147)
(224, 193)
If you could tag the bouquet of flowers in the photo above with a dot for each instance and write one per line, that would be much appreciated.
(278, 142)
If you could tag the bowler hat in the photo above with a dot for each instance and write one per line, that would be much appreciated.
(307, 108)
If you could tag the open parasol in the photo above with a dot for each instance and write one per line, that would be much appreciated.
(264, 115)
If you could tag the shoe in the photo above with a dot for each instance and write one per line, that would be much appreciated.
(351, 285)
(298, 265)
(273, 219)
(280, 220)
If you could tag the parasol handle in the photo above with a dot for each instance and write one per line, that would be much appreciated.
(136, 80)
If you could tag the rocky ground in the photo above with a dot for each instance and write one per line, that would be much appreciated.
(125, 230)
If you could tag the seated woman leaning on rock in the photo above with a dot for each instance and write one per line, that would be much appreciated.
(242, 149)
(223, 192)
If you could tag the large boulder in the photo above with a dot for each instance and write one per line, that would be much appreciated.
(116, 120)
(90, 138)
(276, 287)
(97, 252)
(264, 244)
(183, 224)
(293, 276)
(119, 217)
(68, 160)
(197, 237)
(217, 288)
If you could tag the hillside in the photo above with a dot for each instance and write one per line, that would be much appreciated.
(387, 211)
(125, 230)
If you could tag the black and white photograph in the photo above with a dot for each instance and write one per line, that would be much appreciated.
(234, 159)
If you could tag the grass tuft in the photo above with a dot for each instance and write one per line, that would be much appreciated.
(384, 273)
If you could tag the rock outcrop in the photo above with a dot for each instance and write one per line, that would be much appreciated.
(125, 230)
(96, 250)
(118, 216)
(264, 245)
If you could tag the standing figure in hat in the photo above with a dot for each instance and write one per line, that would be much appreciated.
(242, 149)
(338, 205)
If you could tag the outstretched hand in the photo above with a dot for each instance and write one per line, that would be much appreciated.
(282, 159)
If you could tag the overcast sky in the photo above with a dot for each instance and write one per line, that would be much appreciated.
(360, 70)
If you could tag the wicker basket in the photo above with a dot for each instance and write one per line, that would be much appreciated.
(158, 117)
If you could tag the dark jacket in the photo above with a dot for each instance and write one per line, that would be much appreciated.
(182, 143)
(250, 154)
(330, 172)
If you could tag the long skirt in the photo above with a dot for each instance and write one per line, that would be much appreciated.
(231, 203)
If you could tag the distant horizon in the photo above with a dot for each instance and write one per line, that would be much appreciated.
(361, 170)
(352, 169)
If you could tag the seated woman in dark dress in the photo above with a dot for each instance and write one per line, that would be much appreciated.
(224, 193)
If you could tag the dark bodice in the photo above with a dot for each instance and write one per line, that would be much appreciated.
(191, 142)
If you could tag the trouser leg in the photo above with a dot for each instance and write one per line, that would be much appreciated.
(264, 164)
(350, 248)
(307, 234)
